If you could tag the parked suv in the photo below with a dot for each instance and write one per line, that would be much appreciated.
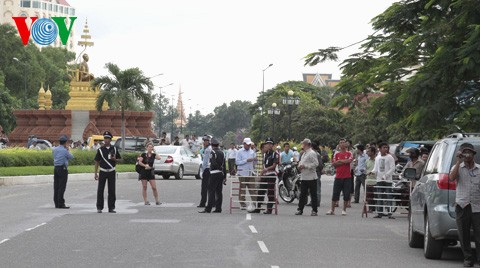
(432, 202)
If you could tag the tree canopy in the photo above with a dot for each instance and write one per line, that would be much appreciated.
(424, 57)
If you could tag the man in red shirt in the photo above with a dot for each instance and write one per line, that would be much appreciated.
(343, 183)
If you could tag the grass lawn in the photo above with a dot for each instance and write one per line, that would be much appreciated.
(48, 170)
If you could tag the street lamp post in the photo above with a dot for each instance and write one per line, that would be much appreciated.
(273, 111)
(290, 101)
(161, 112)
(171, 110)
(262, 104)
(24, 82)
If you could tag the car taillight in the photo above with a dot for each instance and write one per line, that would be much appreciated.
(444, 183)
(169, 159)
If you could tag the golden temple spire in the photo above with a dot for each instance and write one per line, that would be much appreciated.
(86, 37)
(41, 97)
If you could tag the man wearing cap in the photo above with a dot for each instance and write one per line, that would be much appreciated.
(205, 171)
(270, 162)
(218, 176)
(61, 155)
(308, 166)
(106, 158)
(467, 210)
(245, 161)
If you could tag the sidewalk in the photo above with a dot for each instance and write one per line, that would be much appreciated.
(19, 180)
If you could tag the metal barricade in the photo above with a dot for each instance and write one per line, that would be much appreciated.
(252, 185)
(387, 197)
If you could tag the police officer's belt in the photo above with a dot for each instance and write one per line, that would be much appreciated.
(107, 170)
(215, 171)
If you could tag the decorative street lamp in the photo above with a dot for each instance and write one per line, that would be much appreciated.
(273, 111)
(262, 103)
(290, 101)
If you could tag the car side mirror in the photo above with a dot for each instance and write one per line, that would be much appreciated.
(410, 173)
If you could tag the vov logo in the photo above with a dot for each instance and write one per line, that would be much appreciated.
(44, 31)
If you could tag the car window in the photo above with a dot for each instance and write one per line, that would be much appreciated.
(436, 159)
(165, 149)
(477, 156)
(183, 151)
(189, 152)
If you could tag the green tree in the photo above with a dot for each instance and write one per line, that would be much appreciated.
(230, 117)
(7, 120)
(424, 56)
(122, 88)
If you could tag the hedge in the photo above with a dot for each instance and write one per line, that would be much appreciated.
(20, 157)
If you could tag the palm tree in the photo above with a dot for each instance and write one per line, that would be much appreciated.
(121, 89)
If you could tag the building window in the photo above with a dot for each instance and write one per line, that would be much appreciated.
(25, 3)
(60, 9)
(65, 11)
(44, 6)
(55, 8)
(72, 11)
(50, 7)
(35, 4)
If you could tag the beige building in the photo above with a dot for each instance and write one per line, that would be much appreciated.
(320, 80)
(40, 9)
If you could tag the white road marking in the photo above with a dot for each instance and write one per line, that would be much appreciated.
(155, 221)
(41, 224)
(263, 247)
(4, 240)
(275, 266)
(252, 228)
(249, 217)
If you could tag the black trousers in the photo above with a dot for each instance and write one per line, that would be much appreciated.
(305, 187)
(204, 191)
(231, 166)
(215, 196)
(60, 177)
(102, 180)
(269, 188)
(465, 220)
(359, 183)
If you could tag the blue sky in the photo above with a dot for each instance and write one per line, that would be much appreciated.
(216, 49)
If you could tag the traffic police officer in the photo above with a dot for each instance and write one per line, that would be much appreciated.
(218, 176)
(61, 155)
(106, 158)
(205, 171)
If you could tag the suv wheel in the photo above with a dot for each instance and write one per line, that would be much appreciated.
(415, 240)
(166, 176)
(179, 174)
(432, 248)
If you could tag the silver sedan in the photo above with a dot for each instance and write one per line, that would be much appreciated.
(177, 161)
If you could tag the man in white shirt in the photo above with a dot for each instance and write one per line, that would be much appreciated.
(231, 155)
(384, 169)
(245, 161)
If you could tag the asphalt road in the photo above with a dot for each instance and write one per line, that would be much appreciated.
(34, 234)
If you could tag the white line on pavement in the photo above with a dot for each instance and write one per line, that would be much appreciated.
(263, 247)
(4, 240)
(249, 217)
(275, 266)
(252, 228)
(29, 229)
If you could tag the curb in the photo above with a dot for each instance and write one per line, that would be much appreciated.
(22, 180)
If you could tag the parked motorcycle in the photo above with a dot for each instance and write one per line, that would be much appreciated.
(401, 192)
(290, 173)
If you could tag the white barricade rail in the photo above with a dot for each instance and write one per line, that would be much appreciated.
(388, 198)
(251, 190)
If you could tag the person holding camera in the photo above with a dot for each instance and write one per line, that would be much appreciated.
(106, 159)
(466, 173)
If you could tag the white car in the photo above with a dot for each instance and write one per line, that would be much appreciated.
(177, 161)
